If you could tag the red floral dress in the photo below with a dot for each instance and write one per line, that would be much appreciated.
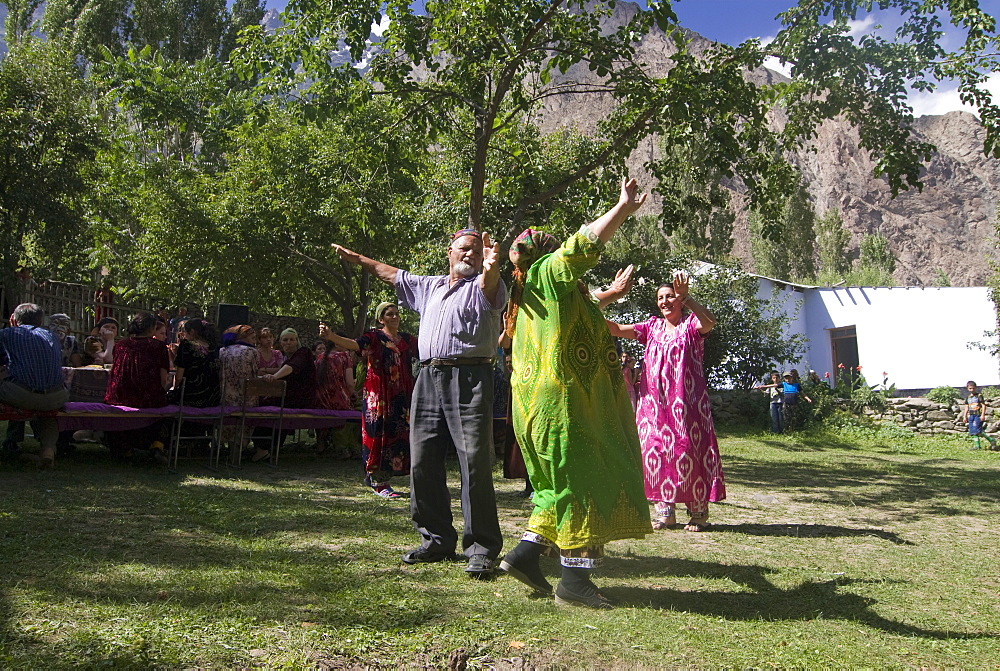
(331, 381)
(386, 401)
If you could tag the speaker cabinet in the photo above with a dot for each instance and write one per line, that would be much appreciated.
(231, 315)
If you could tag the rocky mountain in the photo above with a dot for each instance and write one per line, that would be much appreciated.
(948, 226)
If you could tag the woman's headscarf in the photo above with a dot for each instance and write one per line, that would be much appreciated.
(382, 307)
(237, 335)
(527, 248)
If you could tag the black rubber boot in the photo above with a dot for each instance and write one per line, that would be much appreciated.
(576, 589)
(521, 563)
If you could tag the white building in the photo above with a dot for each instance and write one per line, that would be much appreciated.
(919, 336)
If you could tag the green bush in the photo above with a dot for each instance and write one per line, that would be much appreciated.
(990, 393)
(945, 395)
(823, 405)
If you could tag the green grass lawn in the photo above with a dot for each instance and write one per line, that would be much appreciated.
(858, 548)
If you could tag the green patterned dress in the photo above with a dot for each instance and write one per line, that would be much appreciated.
(572, 415)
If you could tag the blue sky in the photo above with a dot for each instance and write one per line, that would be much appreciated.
(733, 21)
(729, 21)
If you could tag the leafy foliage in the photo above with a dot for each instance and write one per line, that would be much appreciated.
(832, 240)
(695, 204)
(789, 255)
(876, 262)
(436, 128)
(941, 278)
(945, 395)
(846, 400)
(181, 30)
(49, 132)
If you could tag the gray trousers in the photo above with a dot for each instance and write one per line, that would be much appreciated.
(453, 405)
(47, 428)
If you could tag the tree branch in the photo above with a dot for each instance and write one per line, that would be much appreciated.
(575, 176)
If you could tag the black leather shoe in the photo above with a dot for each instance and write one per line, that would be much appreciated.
(480, 566)
(426, 556)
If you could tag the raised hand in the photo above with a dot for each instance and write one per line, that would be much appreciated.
(630, 197)
(489, 281)
(681, 286)
(347, 255)
(624, 281)
(491, 255)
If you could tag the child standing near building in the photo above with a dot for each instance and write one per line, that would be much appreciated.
(775, 394)
(974, 411)
(791, 390)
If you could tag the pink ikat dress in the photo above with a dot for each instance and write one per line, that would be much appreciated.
(680, 452)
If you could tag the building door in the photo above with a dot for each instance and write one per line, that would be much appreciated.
(844, 344)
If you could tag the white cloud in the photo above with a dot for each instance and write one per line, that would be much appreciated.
(858, 28)
(945, 100)
(380, 27)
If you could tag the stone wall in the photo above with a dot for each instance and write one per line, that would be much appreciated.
(923, 415)
(738, 406)
(920, 415)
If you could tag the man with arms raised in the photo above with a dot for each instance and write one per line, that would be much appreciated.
(453, 397)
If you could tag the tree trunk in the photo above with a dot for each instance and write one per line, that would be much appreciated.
(478, 175)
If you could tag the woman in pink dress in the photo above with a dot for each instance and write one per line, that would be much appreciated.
(271, 359)
(674, 416)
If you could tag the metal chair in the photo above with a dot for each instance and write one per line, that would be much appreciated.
(262, 388)
(214, 436)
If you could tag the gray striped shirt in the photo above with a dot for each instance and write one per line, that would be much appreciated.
(456, 321)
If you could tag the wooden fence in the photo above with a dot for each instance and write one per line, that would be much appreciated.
(78, 301)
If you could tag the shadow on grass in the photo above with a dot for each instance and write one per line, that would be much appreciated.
(808, 531)
(922, 486)
(812, 600)
(265, 545)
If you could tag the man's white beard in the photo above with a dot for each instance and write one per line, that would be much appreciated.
(464, 269)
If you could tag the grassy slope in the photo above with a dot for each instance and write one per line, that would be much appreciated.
(853, 549)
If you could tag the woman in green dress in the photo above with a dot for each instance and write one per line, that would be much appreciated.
(572, 415)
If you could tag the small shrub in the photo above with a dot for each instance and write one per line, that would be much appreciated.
(990, 393)
(944, 395)
(822, 406)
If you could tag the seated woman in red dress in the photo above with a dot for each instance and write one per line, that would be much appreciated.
(334, 385)
(139, 380)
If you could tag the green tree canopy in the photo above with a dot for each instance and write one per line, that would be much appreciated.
(49, 131)
(832, 240)
(876, 262)
(485, 68)
(183, 30)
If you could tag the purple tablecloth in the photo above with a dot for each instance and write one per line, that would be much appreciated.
(103, 417)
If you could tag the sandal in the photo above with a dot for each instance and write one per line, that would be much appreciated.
(698, 524)
(665, 522)
(387, 492)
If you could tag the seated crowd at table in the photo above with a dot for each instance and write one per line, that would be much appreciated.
(145, 371)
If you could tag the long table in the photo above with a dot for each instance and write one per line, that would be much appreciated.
(104, 417)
